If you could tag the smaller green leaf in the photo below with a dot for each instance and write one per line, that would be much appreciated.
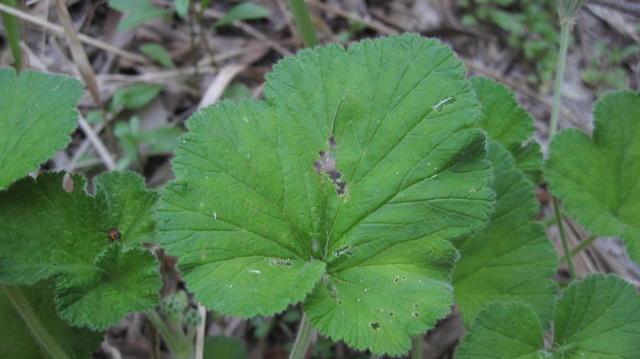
(529, 160)
(95, 117)
(159, 54)
(501, 116)
(17, 340)
(597, 177)
(503, 331)
(243, 11)
(511, 260)
(125, 280)
(182, 7)
(134, 97)
(138, 12)
(48, 231)
(596, 318)
(38, 115)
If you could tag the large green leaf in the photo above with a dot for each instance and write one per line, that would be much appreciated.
(36, 118)
(508, 124)
(349, 180)
(47, 231)
(511, 259)
(16, 339)
(596, 318)
(598, 178)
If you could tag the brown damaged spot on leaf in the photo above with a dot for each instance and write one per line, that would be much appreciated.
(327, 164)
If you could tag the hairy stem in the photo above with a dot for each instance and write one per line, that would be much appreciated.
(563, 237)
(302, 18)
(565, 31)
(577, 249)
(179, 345)
(416, 347)
(303, 339)
(13, 34)
(39, 332)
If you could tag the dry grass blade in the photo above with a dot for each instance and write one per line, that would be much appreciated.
(59, 31)
(221, 82)
(78, 53)
(104, 154)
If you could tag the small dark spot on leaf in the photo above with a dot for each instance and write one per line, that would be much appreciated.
(396, 279)
(391, 314)
(343, 250)
(415, 305)
(416, 314)
(375, 325)
(281, 262)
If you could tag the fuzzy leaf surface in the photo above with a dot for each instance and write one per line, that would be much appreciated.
(16, 340)
(596, 318)
(511, 260)
(598, 178)
(47, 231)
(508, 123)
(503, 331)
(38, 115)
(347, 183)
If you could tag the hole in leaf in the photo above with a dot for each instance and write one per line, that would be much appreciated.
(396, 279)
(327, 164)
(375, 325)
(67, 183)
(416, 314)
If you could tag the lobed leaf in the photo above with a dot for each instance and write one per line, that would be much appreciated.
(47, 231)
(598, 177)
(503, 331)
(596, 317)
(348, 183)
(511, 260)
(508, 124)
(17, 340)
(38, 115)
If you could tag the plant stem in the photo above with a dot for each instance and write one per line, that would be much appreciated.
(565, 31)
(302, 18)
(39, 332)
(563, 237)
(303, 339)
(13, 33)
(179, 345)
(416, 347)
(577, 249)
